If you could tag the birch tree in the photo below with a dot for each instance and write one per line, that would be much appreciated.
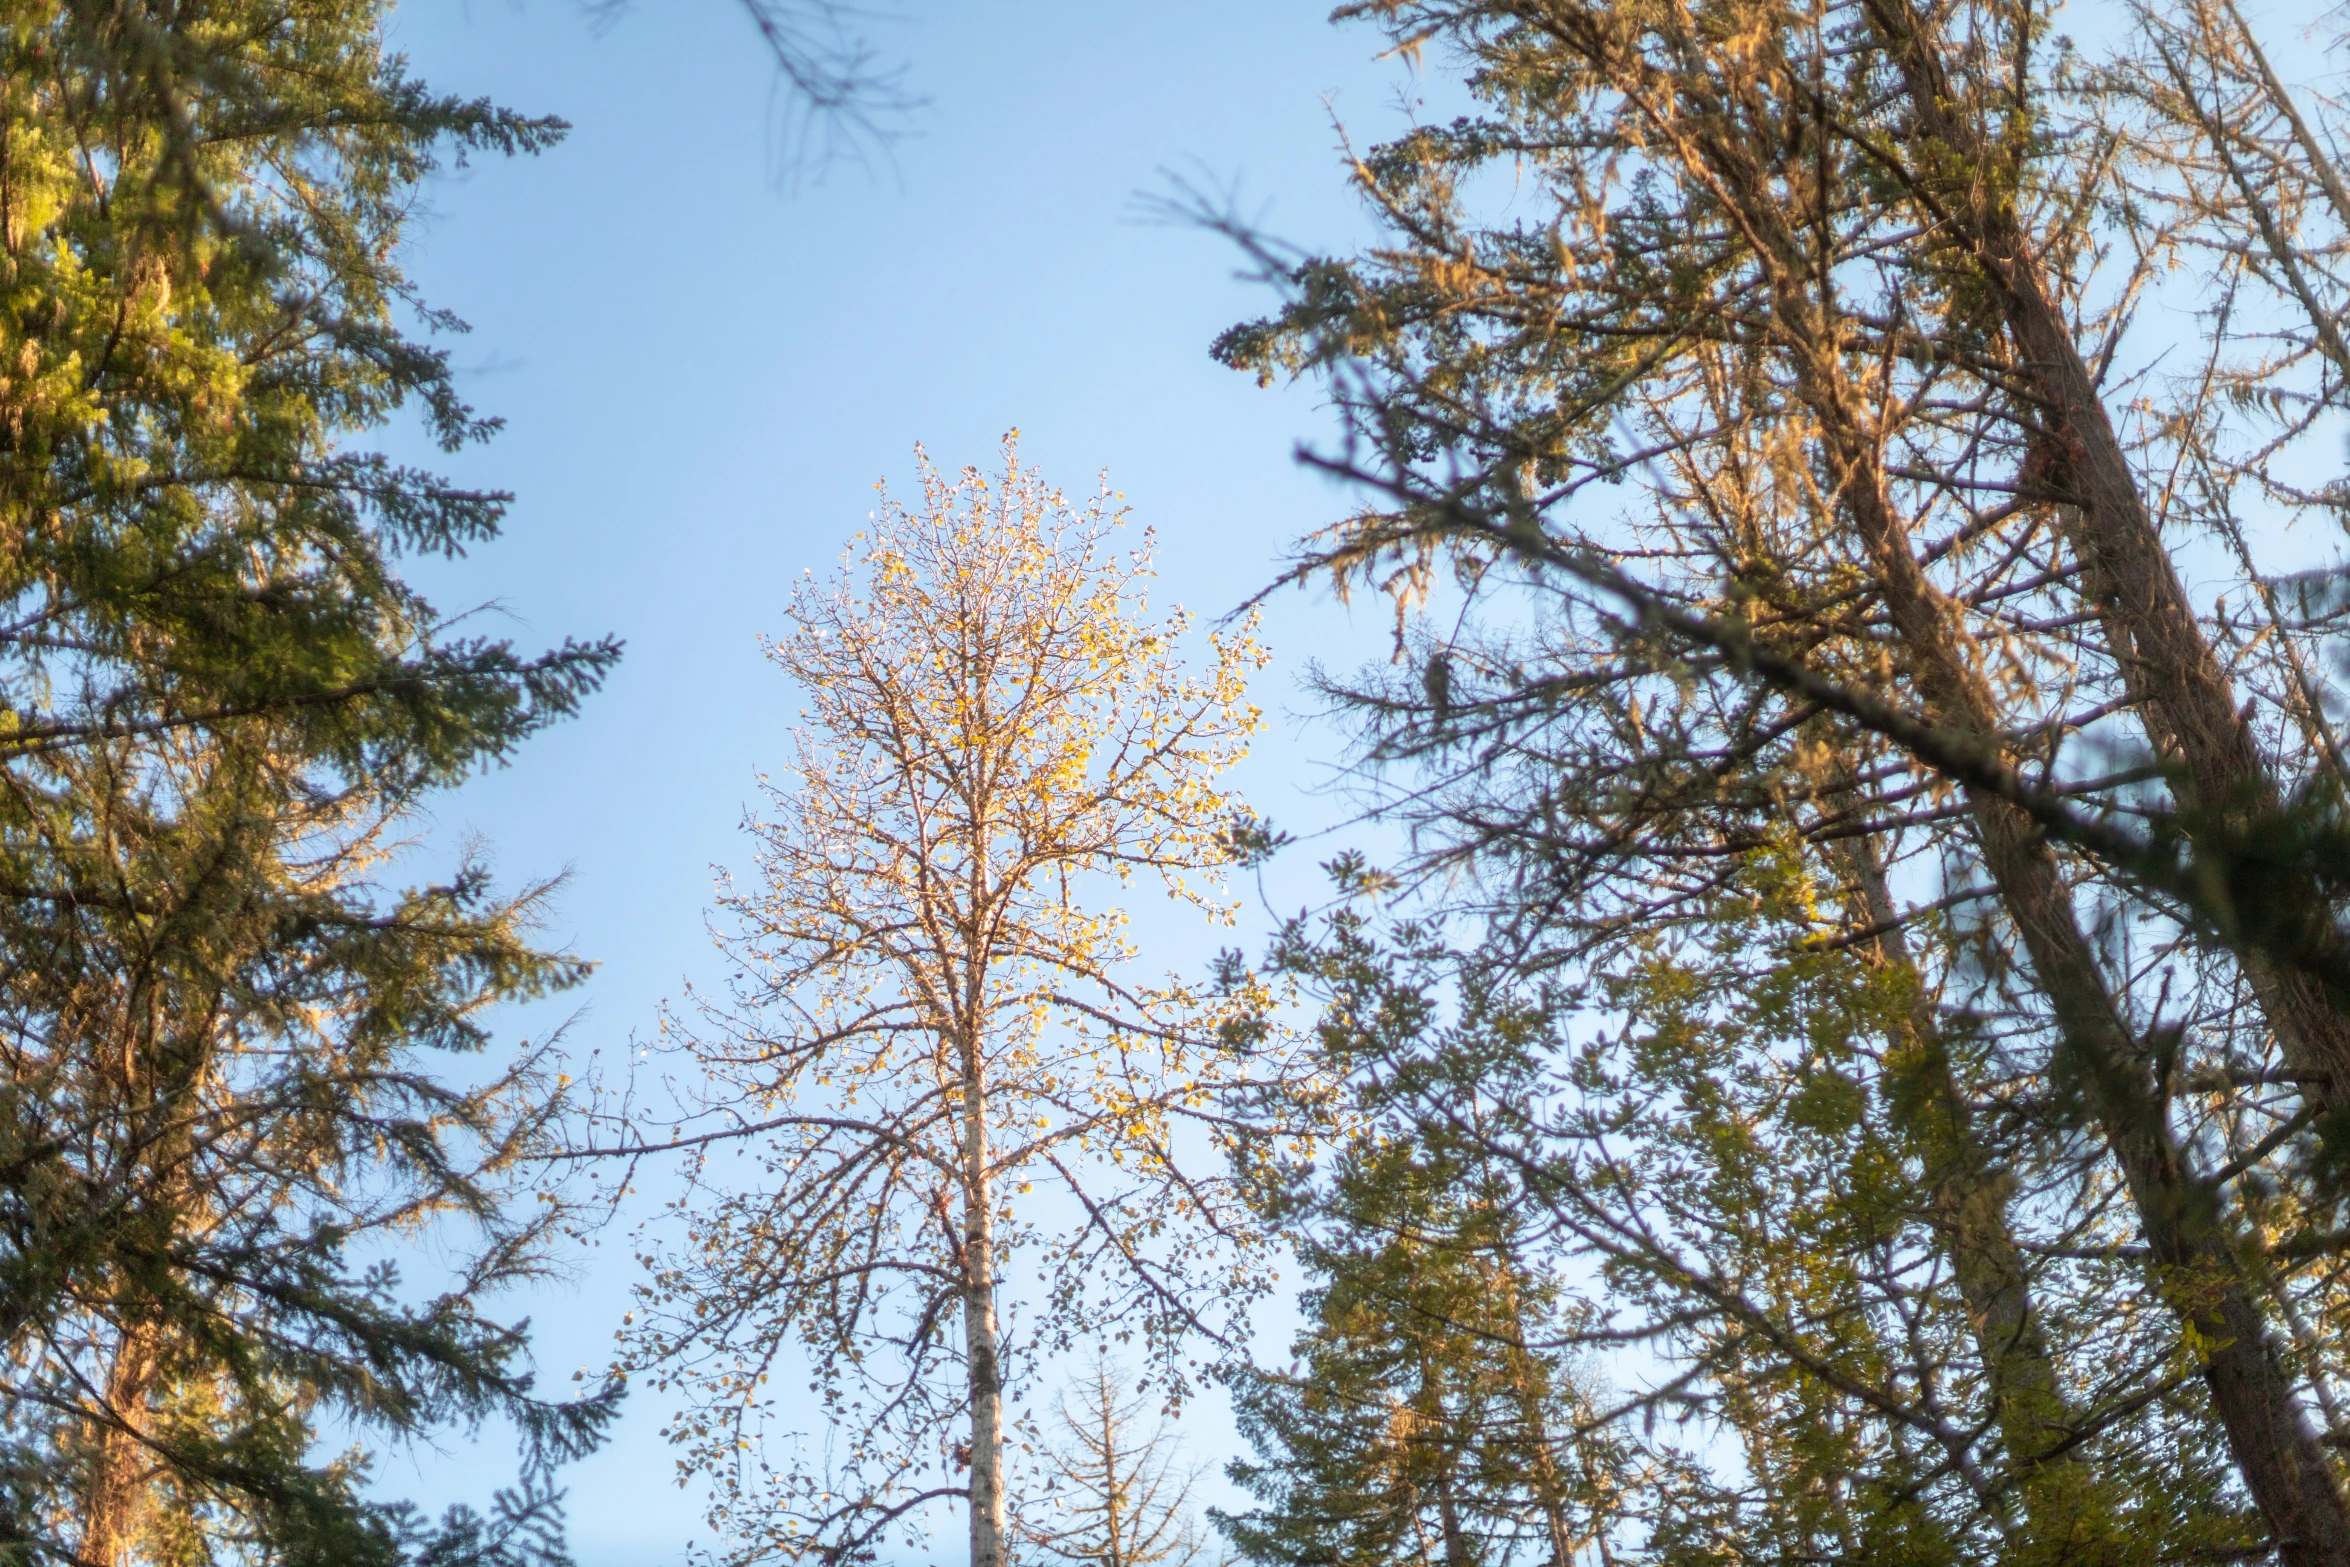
(936, 1051)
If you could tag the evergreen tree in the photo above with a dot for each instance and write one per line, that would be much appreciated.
(1432, 1414)
(218, 702)
(1720, 1205)
(1813, 448)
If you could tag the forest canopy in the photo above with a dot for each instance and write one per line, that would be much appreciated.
(1825, 1038)
(1886, 742)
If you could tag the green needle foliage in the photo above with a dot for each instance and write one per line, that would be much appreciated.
(1871, 443)
(1681, 1292)
(219, 701)
(1433, 1414)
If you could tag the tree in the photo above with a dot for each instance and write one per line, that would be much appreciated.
(218, 1106)
(1864, 307)
(1431, 1415)
(1714, 1205)
(1112, 1489)
(934, 1018)
(219, 701)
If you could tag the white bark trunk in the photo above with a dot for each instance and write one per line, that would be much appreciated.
(979, 1333)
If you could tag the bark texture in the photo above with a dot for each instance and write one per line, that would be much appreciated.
(121, 1467)
(2275, 1448)
(2170, 669)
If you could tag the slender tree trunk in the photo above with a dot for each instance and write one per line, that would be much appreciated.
(2275, 1450)
(979, 1325)
(1968, 1192)
(1457, 1552)
(114, 1498)
(2167, 664)
(1550, 1492)
(1114, 1487)
(1530, 1388)
(1431, 1426)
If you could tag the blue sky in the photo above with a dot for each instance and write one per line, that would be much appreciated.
(705, 367)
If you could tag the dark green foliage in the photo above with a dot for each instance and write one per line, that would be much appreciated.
(1425, 1417)
(200, 207)
(217, 699)
(1866, 670)
(1433, 1411)
(1714, 1206)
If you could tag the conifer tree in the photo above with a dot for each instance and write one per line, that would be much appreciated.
(1718, 1210)
(1821, 467)
(219, 701)
(1432, 1414)
(1113, 1494)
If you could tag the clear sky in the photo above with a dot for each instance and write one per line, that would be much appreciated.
(704, 369)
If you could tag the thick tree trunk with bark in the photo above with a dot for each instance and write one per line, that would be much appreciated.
(2277, 1453)
(2275, 1450)
(2172, 672)
(114, 1499)
(2169, 667)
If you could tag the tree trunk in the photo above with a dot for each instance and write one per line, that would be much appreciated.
(1968, 1194)
(2274, 1448)
(979, 1327)
(2283, 1467)
(2167, 664)
(1529, 1387)
(1432, 1428)
(2275, 1451)
(115, 1495)
(1457, 1552)
(1114, 1485)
